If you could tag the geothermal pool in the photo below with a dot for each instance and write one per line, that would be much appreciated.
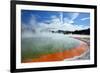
(50, 47)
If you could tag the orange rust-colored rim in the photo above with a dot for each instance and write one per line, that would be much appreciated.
(60, 56)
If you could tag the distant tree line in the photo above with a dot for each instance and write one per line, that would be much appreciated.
(85, 32)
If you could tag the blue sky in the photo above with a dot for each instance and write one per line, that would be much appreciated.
(74, 20)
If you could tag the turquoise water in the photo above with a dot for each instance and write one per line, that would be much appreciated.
(41, 44)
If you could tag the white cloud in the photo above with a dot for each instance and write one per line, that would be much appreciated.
(55, 24)
(32, 20)
(74, 15)
(55, 20)
(85, 18)
(67, 20)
